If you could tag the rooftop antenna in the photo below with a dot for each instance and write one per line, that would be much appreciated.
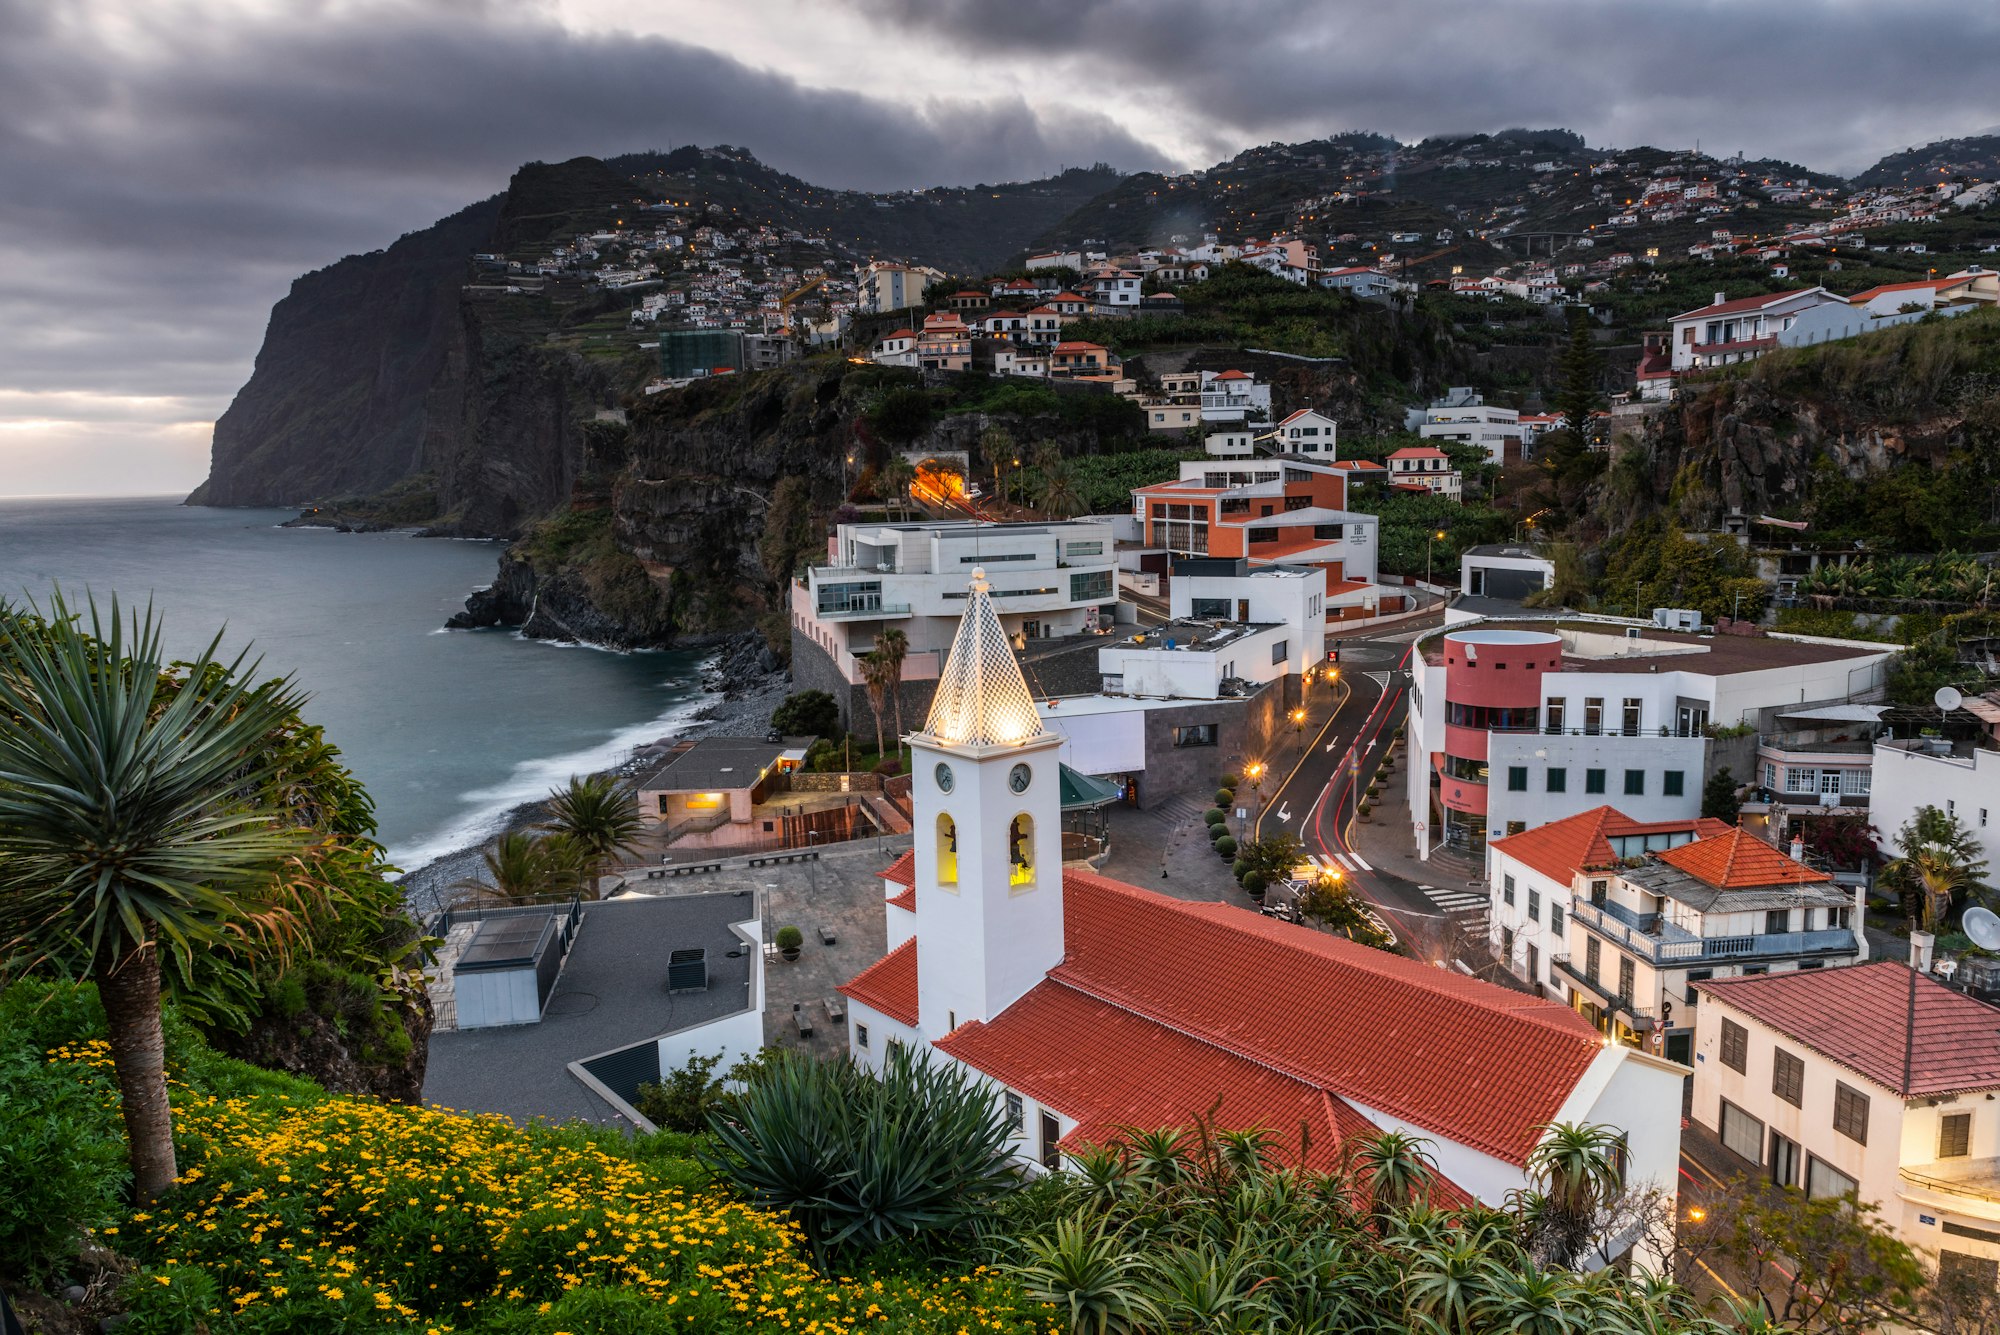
(1946, 698)
(1983, 926)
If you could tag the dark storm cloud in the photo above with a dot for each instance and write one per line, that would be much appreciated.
(168, 170)
(1830, 83)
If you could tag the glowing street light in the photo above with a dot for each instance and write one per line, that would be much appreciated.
(1299, 719)
(1435, 537)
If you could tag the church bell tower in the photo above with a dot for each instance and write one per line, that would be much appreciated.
(986, 801)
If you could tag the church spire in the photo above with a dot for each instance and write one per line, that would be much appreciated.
(982, 699)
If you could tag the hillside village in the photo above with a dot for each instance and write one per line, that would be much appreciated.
(1374, 722)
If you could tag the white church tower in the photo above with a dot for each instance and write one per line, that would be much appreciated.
(986, 802)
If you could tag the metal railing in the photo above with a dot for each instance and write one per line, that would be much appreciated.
(1658, 942)
(860, 607)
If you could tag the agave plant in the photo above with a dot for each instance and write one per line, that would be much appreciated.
(1574, 1169)
(1091, 1276)
(860, 1161)
(1396, 1168)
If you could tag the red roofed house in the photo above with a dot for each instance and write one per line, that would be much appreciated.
(1727, 331)
(1091, 1006)
(1874, 1080)
(1622, 918)
(1307, 432)
(1974, 286)
(1655, 376)
(1425, 468)
(897, 348)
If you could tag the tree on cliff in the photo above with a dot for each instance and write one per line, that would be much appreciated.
(895, 478)
(136, 827)
(875, 676)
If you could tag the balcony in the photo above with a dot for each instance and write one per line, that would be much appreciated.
(1974, 1183)
(859, 606)
(1667, 946)
(1643, 1019)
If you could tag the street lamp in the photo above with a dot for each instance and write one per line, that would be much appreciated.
(1436, 537)
(1299, 719)
(1254, 772)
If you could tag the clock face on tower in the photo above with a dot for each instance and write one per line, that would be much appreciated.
(944, 779)
(1017, 778)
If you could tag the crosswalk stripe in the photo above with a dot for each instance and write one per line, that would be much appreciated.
(1381, 679)
(1360, 862)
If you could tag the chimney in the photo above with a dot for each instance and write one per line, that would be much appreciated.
(1798, 848)
(1920, 951)
(1720, 297)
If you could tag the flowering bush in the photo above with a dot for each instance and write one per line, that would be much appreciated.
(301, 1212)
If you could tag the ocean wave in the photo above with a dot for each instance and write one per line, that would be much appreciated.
(531, 780)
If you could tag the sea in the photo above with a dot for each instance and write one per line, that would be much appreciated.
(449, 730)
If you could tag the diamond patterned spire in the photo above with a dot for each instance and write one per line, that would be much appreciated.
(982, 699)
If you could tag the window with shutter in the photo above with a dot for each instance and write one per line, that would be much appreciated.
(1736, 1047)
(1850, 1112)
(1954, 1135)
(1788, 1077)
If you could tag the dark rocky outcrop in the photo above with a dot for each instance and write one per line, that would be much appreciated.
(313, 1045)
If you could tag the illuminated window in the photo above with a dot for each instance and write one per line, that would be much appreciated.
(1021, 850)
(947, 850)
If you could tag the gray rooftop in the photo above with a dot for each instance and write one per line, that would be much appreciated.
(1660, 878)
(613, 993)
(712, 764)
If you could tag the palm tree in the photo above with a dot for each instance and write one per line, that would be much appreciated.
(1938, 878)
(1059, 498)
(875, 676)
(894, 646)
(1574, 1168)
(599, 815)
(133, 826)
(895, 477)
(520, 865)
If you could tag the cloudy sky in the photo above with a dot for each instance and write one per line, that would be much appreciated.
(168, 166)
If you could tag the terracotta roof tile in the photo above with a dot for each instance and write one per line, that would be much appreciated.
(1562, 848)
(903, 871)
(889, 984)
(904, 899)
(1479, 1064)
(1857, 1016)
(1736, 860)
(1742, 304)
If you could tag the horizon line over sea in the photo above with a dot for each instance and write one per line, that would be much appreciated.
(448, 730)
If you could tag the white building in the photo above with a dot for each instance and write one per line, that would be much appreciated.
(1362, 282)
(1307, 432)
(1918, 773)
(1619, 917)
(1091, 1006)
(1200, 660)
(1173, 417)
(1234, 396)
(1115, 292)
(1426, 468)
(1055, 259)
(1872, 1080)
(1527, 721)
(1229, 443)
(1495, 579)
(1464, 416)
(1726, 331)
(1052, 579)
(898, 348)
(893, 287)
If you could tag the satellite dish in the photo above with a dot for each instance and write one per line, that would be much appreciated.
(1947, 698)
(1983, 926)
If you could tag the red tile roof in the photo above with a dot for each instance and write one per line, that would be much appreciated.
(1739, 861)
(1562, 848)
(1233, 375)
(904, 899)
(1934, 284)
(1745, 304)
(1420, 452)
(1857, 1016)
(903, 871)
(889, 984)
(1478, 1064)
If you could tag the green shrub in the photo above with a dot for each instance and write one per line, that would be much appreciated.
(62, 1166)
(862, 1162)
(1224, 796)
(1253, 882)
(169, 1300)
(1240, 868)
(1229, 781)
(790, 938)
(1215, 815)
(1226, 846)
(1216, 832)
(807, 714)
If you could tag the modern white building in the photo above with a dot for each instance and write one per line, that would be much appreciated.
(1361, 281)
(1464, 416)
(1496, 578)
(1875, 1081)
(1051, 579)
(1619, 917)
(1200, 660)
(893, 287)
(1091, 1007)
(1962, 782)
(1229, 443)
(1521, 722)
